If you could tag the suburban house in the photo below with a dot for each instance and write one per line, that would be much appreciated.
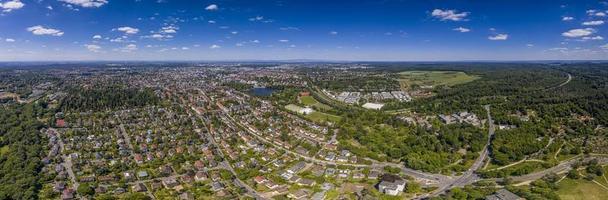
(391, 184)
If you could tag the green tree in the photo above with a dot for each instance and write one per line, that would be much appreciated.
(413, 187)
(573, 174)
(135, 196)
(85, 189)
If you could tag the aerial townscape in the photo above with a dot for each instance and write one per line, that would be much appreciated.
(122, 100)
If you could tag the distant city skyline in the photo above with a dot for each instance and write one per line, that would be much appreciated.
(366, 30)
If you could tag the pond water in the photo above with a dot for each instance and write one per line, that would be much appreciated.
(262, 91)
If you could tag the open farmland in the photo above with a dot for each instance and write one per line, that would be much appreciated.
(411, 79)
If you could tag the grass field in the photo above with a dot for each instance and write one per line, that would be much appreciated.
(323, 117)
(434, 78)
(581, 189)
(311, 101)
(293, 108)
(308, 100)
(316, 115)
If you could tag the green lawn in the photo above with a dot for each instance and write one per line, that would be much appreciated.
(581, 189)
(434, 78)
(316, 115)
(308, 100)
(311, 101)
(323, 117)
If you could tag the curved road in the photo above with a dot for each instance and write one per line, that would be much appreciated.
(445, 183)
(469, 176)
(558, 169)
(411, 172)
(562, 84)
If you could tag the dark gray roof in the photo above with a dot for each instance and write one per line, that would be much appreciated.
(503, 194)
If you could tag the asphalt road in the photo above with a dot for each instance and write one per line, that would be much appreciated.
(410, 172)
(558, 169)
(469, 176)
(562, 84)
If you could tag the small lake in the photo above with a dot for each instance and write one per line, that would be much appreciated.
(264, 92)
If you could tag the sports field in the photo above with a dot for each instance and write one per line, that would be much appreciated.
(293, 108)
(408, 79)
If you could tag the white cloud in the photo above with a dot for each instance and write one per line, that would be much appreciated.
(97, 37)
(215, 46)
(185, 48)
(289, 28)
(122, 39)
(596, 13)
(578, 32)
(498, 37)
(255, 41)
(567, 18)
(462, 29)
(159, 36)
(92, 47)
(49, 7)
(593, 38)
(530, 45)
(40, 30)
(333, 33)
(256, 18)
(451, 15)
(9, 40)
(283, 40)
(128, 30)
(169, 29)
(211, 7)
(11, 5)
(87, 3)
(593, 23)
(211, 21)
(129, 48)
(234, 32)
(558, 49)
(604, 46)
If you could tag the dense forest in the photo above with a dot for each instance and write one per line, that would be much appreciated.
(108, 97)
(21, 149)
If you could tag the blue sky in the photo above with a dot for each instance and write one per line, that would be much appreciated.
(375, 30)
